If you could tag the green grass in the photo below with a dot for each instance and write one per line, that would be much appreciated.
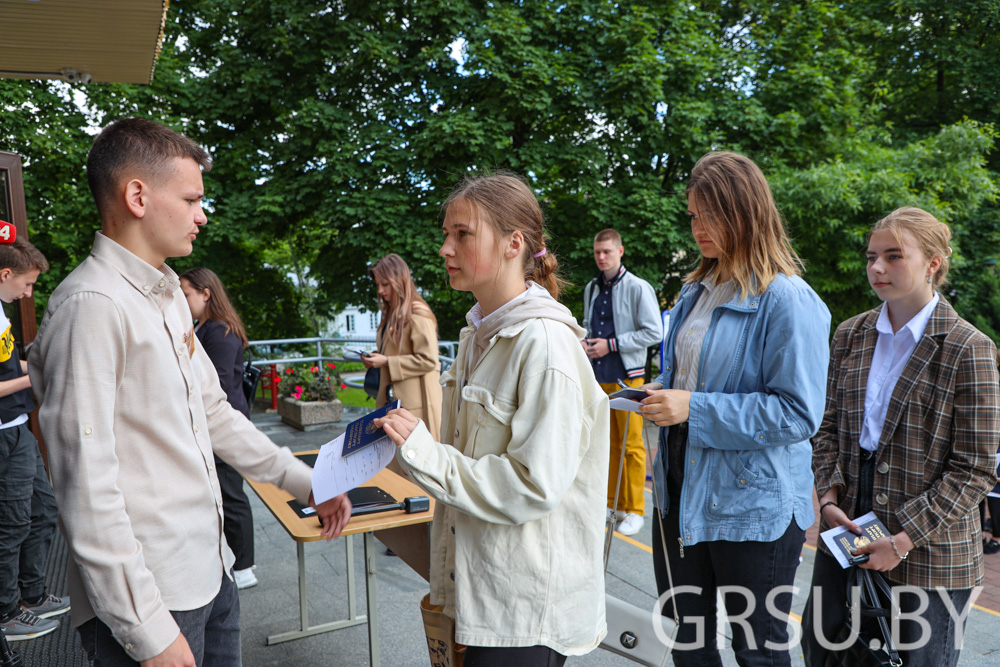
(355, 397)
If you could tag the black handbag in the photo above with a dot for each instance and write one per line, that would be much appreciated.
(372, 379)
(251, 376)
(874, 646)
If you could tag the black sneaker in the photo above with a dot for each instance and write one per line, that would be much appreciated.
(27, 626)
(49, 606)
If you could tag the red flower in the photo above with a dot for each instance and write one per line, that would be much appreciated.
(289, 370)
(331, 365)
(277, 380)
(314, 369)
(343, 386)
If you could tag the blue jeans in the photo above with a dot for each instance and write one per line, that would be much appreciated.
(756, 568)
(212, 632)
(831, 618)
(28, 518)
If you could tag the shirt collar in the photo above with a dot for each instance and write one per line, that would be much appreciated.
(610, 283)
(141, 275)
(915, 326)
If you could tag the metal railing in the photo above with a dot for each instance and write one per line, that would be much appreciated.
(269, 354)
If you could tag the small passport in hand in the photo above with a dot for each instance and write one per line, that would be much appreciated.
(363, 432)
(841, 540)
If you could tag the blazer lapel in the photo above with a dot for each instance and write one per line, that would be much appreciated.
(941, 322)
(858, 367)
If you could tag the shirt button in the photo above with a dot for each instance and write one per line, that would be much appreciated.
(410, 454)
(882, 499)
(180, 351)
(683, 371)
(161, 283)
(743, 481)
(883, 467)
(88, 431)
(195, 429)
(129, 647)
(145, 288)
(452, 575)
(453, 530)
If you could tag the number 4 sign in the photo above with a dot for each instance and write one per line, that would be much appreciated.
(8, 233)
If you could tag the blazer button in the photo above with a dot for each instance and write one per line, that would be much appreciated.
(881, 499)
(452, 575)
(883, 467)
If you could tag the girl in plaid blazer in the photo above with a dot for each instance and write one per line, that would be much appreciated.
(910, 430)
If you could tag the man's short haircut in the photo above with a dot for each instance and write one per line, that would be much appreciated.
(22, 257)
(133, 147)
(608, 235)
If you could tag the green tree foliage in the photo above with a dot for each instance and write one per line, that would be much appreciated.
(339, 128)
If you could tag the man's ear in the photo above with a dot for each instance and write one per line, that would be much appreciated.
(5, 274)
(136, 196)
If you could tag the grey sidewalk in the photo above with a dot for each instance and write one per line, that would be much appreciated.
(272, 606)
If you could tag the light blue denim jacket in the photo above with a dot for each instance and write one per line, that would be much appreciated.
(761, 394)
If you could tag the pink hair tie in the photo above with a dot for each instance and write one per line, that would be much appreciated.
(539, 253)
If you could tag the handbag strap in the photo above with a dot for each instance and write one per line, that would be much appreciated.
(871, 583)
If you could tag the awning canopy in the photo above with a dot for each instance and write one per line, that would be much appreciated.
(81, 40)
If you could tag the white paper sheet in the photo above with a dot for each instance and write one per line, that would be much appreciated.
(624, 404)
(334, 474)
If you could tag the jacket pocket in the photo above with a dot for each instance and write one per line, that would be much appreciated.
(741, 490)
(487, 421)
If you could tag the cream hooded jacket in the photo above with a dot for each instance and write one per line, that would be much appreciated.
(521, 479)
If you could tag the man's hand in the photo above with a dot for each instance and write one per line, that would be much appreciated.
(666, 407)
(333, 514)
(375, 360)
(596, 347)
(178, 654)
(398, 425)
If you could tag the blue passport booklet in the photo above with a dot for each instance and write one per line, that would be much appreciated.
(840, 540)
(363, 432)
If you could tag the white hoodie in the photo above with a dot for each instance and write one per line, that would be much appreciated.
(518, 533)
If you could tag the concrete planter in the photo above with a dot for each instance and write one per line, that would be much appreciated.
(309, 415)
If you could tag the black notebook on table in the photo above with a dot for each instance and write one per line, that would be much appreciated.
(362, 496)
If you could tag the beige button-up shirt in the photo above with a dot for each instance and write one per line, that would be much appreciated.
(132, 411)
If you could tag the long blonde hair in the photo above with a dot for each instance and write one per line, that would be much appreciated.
(505, 202)
(742, 219)
(405, 300)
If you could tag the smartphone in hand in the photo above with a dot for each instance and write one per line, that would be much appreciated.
(360, 353)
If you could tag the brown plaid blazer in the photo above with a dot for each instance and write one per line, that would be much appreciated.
(936, 455)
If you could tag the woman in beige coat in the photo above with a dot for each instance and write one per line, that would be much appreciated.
(407, 343)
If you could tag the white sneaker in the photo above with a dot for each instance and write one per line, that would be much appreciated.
(631, 524)
(245, 578)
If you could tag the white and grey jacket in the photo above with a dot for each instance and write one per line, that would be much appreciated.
(637, 319)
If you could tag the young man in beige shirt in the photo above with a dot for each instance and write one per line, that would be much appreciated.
(132, 411)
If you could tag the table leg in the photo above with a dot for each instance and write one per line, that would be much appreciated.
(352, 600)
(305, 629)
(373, 649)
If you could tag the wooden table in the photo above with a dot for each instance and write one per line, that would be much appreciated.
(395, 528)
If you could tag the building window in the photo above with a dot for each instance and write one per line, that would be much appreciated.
(374, 320)
(350, 323)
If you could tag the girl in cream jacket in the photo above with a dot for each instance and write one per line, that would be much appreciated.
(521, 468)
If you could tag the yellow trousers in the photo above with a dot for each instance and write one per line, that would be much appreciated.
(630, 498)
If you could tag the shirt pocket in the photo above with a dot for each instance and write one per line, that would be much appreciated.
(742, 490)
(487, 421)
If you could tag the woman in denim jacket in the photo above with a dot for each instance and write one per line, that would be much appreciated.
(744, 375)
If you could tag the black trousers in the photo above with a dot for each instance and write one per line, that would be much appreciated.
(238, 519)
(528, 656)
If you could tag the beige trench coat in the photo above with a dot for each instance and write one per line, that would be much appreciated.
(414, 370)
